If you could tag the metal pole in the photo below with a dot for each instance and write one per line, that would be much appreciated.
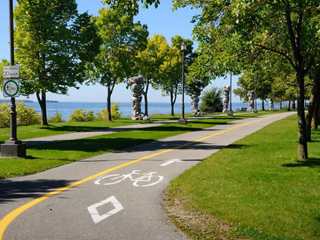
(13, 147)
(182, 105)
(13, 114)
(182, 120)
(230, 112)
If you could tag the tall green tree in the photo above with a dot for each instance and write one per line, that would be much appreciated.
(170, 75)
(53, 45)
(170, 78)
(288, 29)
(149, 61)
(122, 40)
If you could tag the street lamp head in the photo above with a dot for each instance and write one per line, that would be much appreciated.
(183, 46)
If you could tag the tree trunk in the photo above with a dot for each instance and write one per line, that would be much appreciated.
(262, 105)
(43, 105)
(302, 131)
(172, 104)
(145, 94)
(109, 103)
(315, 116)
(315, 94)
(310, 114)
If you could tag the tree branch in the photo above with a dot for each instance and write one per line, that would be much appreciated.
(278, 52)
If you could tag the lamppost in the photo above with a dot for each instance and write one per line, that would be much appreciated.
(13, 147)
(182, 120)
(230, 113)
(255, 101)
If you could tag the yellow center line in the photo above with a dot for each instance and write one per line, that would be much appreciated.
(5, 222)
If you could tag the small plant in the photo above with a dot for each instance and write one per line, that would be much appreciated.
(115, 114)
(4, 115)
(56, 118)
(211, 100)
(26, 115)
(80, 115)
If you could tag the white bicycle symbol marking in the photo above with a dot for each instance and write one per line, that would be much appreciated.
(145, 180)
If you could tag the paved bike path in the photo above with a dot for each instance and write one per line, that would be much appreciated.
(82, 204)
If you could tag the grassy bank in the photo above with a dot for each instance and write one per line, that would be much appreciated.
(255, 188)
(46, 156)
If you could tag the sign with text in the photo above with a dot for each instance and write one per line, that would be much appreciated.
(11, 72)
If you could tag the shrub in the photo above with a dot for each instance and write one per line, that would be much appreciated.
(26, 115)
(115, 114)
(56, 118)
(80, 115)
(4, 115)
(211, 100)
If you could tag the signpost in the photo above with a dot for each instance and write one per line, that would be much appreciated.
(13, 147)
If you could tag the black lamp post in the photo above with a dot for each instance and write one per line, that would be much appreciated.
(230, 113)
(182, 120)
(13, 147)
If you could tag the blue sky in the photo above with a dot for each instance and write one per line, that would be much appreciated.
(160, 20)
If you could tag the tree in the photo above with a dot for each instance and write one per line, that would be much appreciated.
(287, 28)
(170, 75)
(53, 44)
(149, 61)
(122, 39)
(170, 78)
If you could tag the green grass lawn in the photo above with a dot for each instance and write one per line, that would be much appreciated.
(50, 155)
(256, 186)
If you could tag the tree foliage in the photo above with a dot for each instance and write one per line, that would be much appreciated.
(122, 39)
(53, 44)
(240, 30)
(149, 61)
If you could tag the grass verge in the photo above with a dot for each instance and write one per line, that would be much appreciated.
(255, 188)
(45, 156)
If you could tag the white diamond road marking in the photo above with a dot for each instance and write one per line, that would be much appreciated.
(96, 217)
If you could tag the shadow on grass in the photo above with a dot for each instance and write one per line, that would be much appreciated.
(311, 162)
(239, 146)
(72, 128)
(12, 190)
(91, 145)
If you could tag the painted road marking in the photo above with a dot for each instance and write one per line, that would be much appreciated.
(170, 162)
(96, 217)
(5, 222)
(142, 180)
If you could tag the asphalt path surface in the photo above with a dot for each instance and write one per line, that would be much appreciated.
(116, 195)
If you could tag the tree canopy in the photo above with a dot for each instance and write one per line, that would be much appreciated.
(53, 45)
(122, 40)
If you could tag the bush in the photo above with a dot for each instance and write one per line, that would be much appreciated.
(211, 100)
(26, 115)
(56, 118)
(80, 115)
(115, 114)
(4, 115)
